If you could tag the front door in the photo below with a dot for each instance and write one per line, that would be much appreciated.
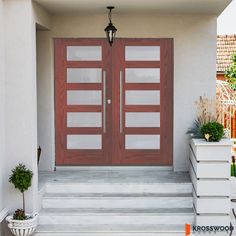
(114, 105)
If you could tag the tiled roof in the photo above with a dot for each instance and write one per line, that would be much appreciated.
(226, 46)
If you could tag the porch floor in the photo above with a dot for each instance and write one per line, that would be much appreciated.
(114, 175)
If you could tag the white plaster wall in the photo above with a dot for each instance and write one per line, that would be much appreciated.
(41, 16)
(20, 97)
(194, 66)
(2, 106)
(44, 21)
(45, 93)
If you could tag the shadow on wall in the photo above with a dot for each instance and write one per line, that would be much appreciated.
(4, 230)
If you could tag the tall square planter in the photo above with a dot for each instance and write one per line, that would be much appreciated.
(210, 175)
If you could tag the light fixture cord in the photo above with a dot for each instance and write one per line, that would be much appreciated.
(109, 15)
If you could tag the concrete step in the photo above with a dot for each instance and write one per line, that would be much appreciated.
(116, 216)
(110, 230)
(117, 200)
(115, 175)
(54, 187)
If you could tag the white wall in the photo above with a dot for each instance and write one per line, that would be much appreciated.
(41, 16)
(44, 22)
(20, 97)
(45, 86)
(194, 66)
(225, 22)
(2, 106)
(18, 103)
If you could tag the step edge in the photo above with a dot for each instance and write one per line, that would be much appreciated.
(169, 195)
(39, 230)
(115, 183)
(123, 214)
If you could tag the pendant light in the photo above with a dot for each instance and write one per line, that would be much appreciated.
(110, 29)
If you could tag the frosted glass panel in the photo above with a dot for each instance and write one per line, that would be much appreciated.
(142, 119)
(141, 75)
(84, 75)
(84, 142)
(141, 97)
(84, 97)
(84, 119)
(142, 141)
(84, 53)
(142, 53)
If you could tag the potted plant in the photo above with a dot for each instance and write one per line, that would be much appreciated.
(21, 223)
(210, 154)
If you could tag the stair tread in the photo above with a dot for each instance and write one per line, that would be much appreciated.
(110, 228)
(125, 175)
(113, 195)
(112, 211)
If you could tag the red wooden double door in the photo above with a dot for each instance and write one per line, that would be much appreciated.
(114, 105)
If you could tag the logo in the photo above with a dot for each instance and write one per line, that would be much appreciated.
(207, 229)
(187, 229)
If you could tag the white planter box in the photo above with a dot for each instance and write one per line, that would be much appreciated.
(210, 169)
(218, 220)
(210, 175)
(211, 205)
(211, 151)
(233, 187)
(210, 187)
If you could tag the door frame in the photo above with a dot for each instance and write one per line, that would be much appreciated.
(115, 154)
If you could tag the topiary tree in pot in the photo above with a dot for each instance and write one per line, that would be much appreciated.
(21, 178)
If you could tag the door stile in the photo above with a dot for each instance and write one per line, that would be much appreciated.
(167, 65)
(107, 72)
(59, 67)
(122, 104)
(116, 68)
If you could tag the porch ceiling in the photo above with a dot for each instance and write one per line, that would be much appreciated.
(158, 6)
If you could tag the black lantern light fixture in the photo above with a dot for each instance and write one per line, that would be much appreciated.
(110, 29)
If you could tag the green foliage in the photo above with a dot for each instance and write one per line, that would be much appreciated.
(21, 178)
(195, 130)
(212, 131)
(230, 74)
(232, 171)
(19, 215)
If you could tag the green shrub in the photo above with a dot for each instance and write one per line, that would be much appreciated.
(212, 131)
(195, 130)
(230, 74)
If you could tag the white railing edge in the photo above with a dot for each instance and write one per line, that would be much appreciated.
(3, 214)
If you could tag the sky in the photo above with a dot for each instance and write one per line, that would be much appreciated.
(226, 23)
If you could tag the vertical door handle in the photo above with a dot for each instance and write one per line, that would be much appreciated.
(121, 103)
(104, 101)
